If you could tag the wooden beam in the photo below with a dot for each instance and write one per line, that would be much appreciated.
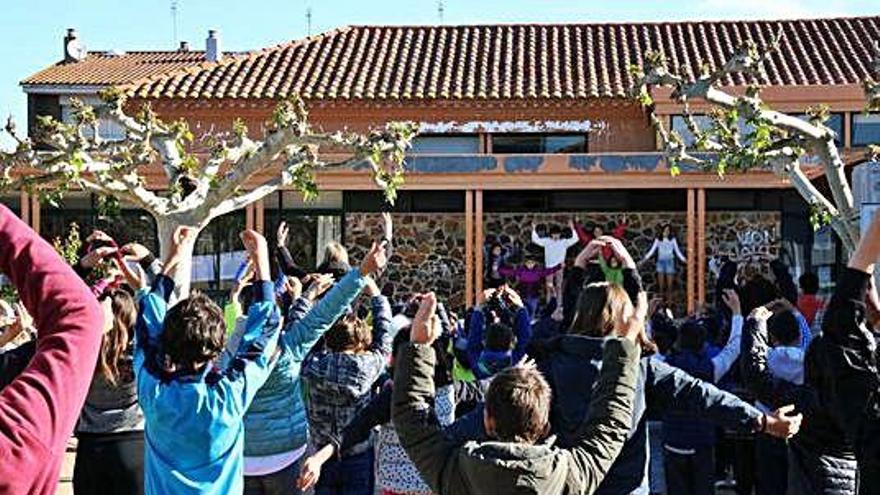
(691, 250)
(35, 213)
(468, 248)
(478, 240)
(259, 217)
(701, 246)
(25, 207)
(249, 217)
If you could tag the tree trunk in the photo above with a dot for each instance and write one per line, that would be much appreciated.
(182, 273)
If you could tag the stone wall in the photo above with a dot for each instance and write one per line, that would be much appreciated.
(428, 251)
(429, 247)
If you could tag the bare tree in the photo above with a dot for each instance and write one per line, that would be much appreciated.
(206, 177)
(745, 134)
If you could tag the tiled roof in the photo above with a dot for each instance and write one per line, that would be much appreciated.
(106, 68)
(518, 61)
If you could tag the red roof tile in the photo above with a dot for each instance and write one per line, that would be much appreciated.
(106, 68)
(518, 61)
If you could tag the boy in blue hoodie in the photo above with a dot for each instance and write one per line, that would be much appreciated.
(193, 410)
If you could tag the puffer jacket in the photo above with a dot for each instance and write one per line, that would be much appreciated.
(276, 421)
(340, 384)
(572, 367)
(821, 459)
(452, 468)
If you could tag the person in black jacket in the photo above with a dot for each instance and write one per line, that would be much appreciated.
(852, 386)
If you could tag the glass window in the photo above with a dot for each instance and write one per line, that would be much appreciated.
(835, 122)
(681, 128)
(108, 129)
(539, 143)
(865, 129)
(12, 201)
(446, 144)
(217, 255)
(311, 225)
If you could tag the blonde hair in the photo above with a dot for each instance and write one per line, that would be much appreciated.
(335, 251)
(600, 306)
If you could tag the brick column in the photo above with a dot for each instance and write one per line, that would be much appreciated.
(478, 240)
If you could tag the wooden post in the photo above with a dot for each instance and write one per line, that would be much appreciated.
(259, 217)
(35, 213)
(478, 240)
(249, 216)
(691, 250)
(25, 207)
(701, 246)
(468, 248)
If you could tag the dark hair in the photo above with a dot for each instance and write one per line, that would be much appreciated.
(783, 326)
(350, 333)
(664, 332)
(499, 337)
(809, 283)
(664, 227)
(115, 342)
(194, 331)
(518, 402)
(554, 230)
(692, 336)
(758, 291)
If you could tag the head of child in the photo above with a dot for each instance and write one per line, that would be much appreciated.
(809, 283)
(349, 334)
(120, 318)
(336, 261)
(496, 250)
(194, 333)
(614, 262)
(555, 232)
(530, 263)
(597, 231)
(783, 326)
(665, 231)
(600, 307)
(518, 406)
(692, 336)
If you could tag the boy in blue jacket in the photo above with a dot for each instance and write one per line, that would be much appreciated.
(193, 409)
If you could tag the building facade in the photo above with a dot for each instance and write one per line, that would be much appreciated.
(520, 124)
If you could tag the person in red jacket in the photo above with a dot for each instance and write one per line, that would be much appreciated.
(39, 409)
(586, 236)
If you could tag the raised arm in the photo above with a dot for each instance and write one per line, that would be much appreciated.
(722, 362)
(39, 408)
(583, 236)
(282, 255)
(754, 371)
(250, 365)
(412, 412)
(541, 241)
(475, 337)
(572, 238)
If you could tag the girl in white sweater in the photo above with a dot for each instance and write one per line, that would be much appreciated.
(667, 250)
(555, 249)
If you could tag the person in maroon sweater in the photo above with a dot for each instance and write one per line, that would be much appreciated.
(596, 231)
(39, 409)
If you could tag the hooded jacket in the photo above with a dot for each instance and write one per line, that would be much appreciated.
(452, 468)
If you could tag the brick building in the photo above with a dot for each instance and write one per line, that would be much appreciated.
(521, 123)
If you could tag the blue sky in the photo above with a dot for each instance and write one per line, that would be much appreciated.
(32, 31)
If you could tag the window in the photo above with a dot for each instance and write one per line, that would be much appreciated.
(217, 254)
(865, 129)
(834, 122)
(446, 144)
(539, 143)
(12, 201)
(681, 128)
(108, 129)
(311, 225)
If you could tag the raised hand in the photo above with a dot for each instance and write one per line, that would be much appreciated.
(426, 325)
(761, 313)
(619, 251)
(281, 234)
(387, 226)
(258, 251)
(375, 260)
(134, 251)
(731, 299)
(317, 285)
(98, 235)
(181, 244)
(588, 253)
(92, 258)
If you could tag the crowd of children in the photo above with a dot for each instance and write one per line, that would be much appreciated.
(302, 385)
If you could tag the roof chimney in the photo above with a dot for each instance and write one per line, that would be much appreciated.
(213, 50)
(74, 50)
(184, 46)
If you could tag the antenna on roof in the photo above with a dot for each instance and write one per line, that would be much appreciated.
(174, 4)
(308, 21)
(440, 9)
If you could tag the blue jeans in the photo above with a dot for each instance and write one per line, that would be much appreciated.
(532, 306)
(352, 475)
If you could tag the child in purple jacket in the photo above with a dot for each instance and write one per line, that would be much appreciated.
(529, 278)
